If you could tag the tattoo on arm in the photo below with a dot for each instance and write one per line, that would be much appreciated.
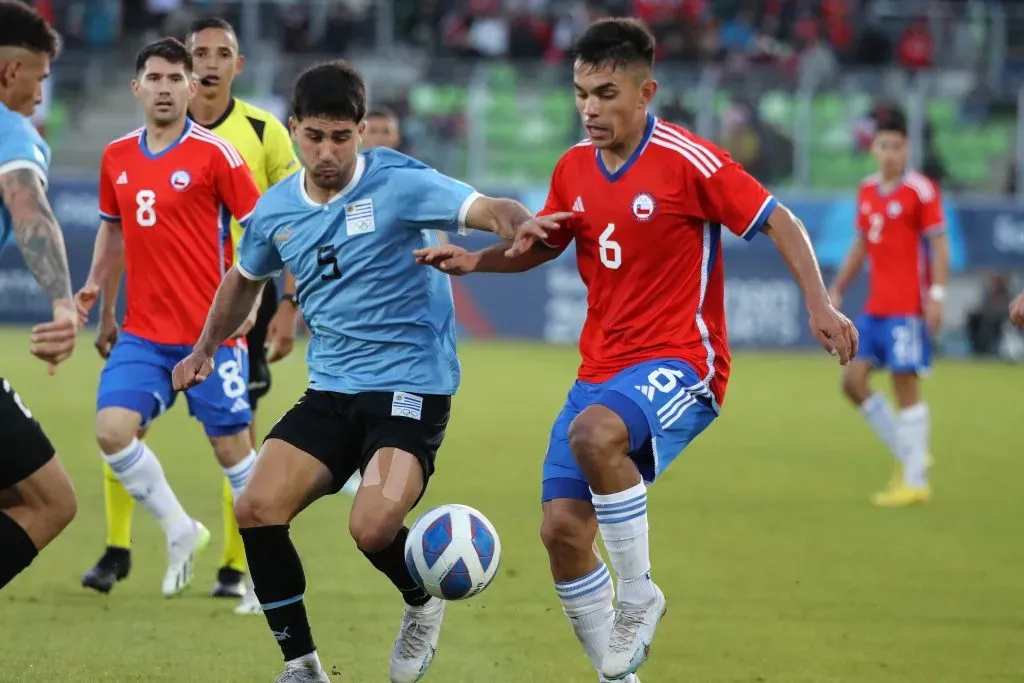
(36, 230)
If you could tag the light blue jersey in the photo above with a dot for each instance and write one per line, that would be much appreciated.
(21, 147)
(380, 322)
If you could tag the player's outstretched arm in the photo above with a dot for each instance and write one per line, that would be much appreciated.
(42, 247)
(512, 222)
(833, 330)
(848, 271)
(234, 300)
(454, 260)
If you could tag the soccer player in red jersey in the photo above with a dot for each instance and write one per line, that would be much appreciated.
(648, 202)
(899, 227)
(167, 192)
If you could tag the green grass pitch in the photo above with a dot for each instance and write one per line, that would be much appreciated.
(776, 567)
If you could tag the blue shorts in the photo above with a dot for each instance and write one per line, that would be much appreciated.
(137, 377)
(899, 343)
(665, 406)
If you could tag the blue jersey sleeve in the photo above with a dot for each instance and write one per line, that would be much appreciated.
(21, 147)
(436, 201)
(258, 258)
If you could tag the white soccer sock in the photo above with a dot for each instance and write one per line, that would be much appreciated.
(877, 411)
(140, 473)
(239, 473)
(622, 518)
(310, 661)
(913, 431)
(588, 604)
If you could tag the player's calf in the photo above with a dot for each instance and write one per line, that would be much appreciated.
(582, 580)
(32, 513)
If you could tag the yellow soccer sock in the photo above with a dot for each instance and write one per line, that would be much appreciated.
(120, 507)
(234, 549)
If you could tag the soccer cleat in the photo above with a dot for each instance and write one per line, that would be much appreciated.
(181, 553)
(304, 673)
(902, 496)
(632, 633)
(417, 641)
(250, 604)
(114, 566)
(230, 583)
(631, 678)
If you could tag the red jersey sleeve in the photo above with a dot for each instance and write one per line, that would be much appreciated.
(559, 239)
(109, 210)
(932, 221)
(725, 193)
(235, 185)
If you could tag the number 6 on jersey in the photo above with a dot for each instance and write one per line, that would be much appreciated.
(611, 251)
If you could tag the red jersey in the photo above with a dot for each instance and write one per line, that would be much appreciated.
(648, 249)
(175, 210)
(895, 223)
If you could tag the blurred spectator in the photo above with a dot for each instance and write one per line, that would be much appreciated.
(985, 323)
(916, 49)
(818, 64)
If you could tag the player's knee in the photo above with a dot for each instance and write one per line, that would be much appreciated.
(596, 435)
(373, 531)
(114, 430)
(566, 533)
(854, 385)
(54, 504)
(253, 510)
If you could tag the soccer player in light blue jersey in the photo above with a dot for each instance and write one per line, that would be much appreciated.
(36, 498)
(382, 362)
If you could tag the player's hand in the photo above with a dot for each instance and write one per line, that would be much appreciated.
(106, 335)
(195, 368)
(834, 332)
(933, 315)
(54, 342)
(85, 299)
(449, 258)
(836, 298)
(281, 332)
(1017, 310)
(534, 230)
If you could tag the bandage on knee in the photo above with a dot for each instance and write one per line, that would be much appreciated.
(394, 481)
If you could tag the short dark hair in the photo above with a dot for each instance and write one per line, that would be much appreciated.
(382, 112)
(616, 43)
(200, 25)
(171, 49)
(21, 26)
(892, 123)
(333, 90)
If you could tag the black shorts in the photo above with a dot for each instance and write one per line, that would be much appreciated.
(343, 431)
(24, 447)
(259, 369)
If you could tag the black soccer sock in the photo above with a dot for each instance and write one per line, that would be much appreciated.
(18, 549)
(391, 561)
(280, 583)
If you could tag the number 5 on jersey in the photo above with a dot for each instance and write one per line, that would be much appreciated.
(611, 251)
(145, 213)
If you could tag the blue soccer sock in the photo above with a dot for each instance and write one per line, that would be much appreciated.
(587, 602)
(622, 518)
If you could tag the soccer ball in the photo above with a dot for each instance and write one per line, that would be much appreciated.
(453, 551)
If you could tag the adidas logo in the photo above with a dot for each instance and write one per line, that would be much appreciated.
(577, 206)
(647, 391)
(123, 178)
(239, 405)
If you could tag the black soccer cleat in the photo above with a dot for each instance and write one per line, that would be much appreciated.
(114, 566)
(230, 584)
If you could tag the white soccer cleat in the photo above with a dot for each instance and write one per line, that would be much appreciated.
(417, 641)
(631, 637)
(250, 604)
(181, 553)
(303, 673)
(631, 678)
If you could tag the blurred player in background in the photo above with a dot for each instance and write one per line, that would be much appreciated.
(167, 192)
(648, 202)
(382, 360)
(37, 500)
(267, 150)
(901, 233)
(382, 129)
